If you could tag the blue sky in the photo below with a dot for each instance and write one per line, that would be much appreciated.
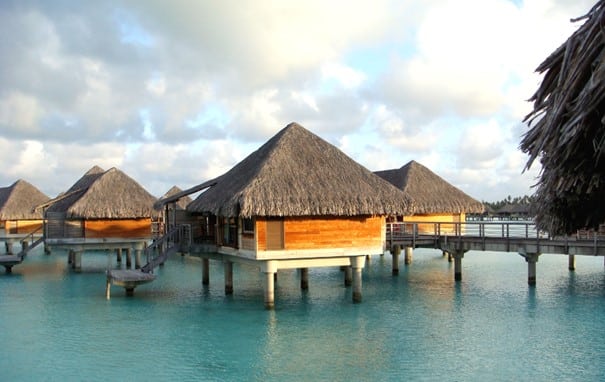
(177, 92)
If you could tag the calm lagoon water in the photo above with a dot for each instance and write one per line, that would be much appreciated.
(56, 325)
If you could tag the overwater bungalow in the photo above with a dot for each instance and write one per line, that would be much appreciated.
(17, 203)
(101, 204)
(180, 204)
(103, 209)
(435, 199)
(514, 212)
(296, 202)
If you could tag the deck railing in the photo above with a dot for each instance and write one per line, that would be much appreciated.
(414, 232)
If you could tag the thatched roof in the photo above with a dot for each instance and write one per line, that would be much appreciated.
(567, 133)
(296, 173)
(107, 194)
(18, 200)
(431, 193)
(181, 203)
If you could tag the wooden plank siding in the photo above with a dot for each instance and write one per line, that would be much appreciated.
(248, 242)
(261, 234)
(436, 218)
(122, 228)
(325, 232)
(22, 226)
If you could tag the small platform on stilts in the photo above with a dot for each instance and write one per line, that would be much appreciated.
(8, 261)
(127, 278)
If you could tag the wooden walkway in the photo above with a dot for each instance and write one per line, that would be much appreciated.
(520, 237)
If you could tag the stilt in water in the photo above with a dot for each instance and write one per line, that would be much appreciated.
(531, 259)
(409, 253)
(571, 264)
(205, 271)
(357, 264)
(304, 278)
(395, 251)
(348, 276)
(228, 265)
(137, 258)
(269, 268)
(128, 258)
(458, 256)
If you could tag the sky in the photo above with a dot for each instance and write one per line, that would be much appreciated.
(177, 92)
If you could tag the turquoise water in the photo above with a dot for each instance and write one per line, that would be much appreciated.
(56, 325)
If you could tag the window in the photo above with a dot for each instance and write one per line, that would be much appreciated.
(248, 225)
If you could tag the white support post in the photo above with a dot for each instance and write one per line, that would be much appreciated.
(269, 268)
(357, 264)
(409, 254)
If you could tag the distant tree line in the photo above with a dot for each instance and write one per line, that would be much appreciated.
(509, 200)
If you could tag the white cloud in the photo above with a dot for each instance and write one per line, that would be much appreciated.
(19, 113)
(346, 76)
(201, 84)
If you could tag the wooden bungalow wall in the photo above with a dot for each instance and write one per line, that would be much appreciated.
(57, 226)
(22, 226)
(122, 228)
(436, 218)
(323, 232)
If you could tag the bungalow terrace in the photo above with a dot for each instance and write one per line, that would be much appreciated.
(103, 209)
(435, 200)
(296, 202)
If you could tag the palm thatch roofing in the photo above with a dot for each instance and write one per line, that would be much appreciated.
(566, 130)
(181, 202)
(431, 193)
(296, 173)
(103, 194)
(17, 201)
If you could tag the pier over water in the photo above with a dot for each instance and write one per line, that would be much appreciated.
(455, 239)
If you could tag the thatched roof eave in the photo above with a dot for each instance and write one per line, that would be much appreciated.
(566, 130)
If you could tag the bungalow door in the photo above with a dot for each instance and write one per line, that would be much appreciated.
(275, 234)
